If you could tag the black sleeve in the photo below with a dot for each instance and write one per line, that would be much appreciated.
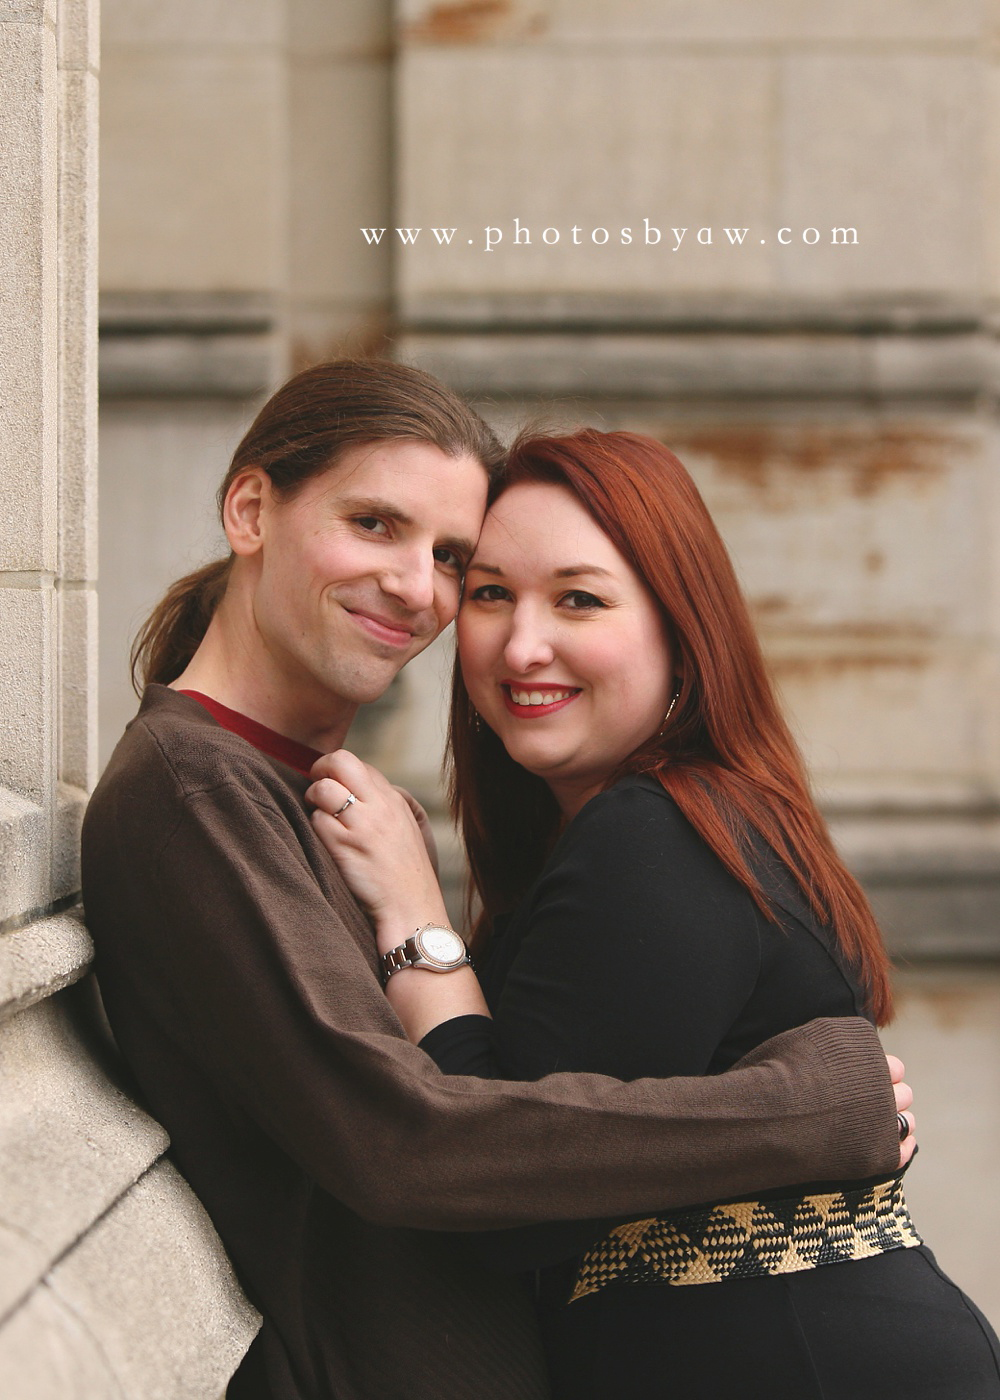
(636, 956)
(463, 1045)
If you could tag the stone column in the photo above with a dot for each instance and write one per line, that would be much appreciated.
(111, 1278)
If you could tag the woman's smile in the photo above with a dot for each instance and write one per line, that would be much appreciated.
(531, 700)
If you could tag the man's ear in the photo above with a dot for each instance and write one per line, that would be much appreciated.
(246, 499)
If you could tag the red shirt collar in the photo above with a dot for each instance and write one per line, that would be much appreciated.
(298, 756)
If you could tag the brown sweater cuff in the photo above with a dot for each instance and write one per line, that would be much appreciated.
(863, 1132)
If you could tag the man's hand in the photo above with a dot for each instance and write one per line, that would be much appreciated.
(904, 1098)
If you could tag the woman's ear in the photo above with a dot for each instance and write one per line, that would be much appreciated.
(245, 501)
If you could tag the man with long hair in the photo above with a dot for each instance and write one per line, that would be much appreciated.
(241, 979)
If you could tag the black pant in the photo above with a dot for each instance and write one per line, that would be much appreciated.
(882, 1328)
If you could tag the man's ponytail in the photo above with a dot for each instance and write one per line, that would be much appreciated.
(172, 633)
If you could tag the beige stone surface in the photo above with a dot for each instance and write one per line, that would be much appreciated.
(161, 463)
(28, 11)
(27, 621)
(78, 613)
(152, 1284)
(79, 34)
(71, 1142)
(27, 296)
(192, 167)
(25, 834)
(891, 145)
(948, 1034)
(40, 959)
(592, 139)
(317, 28)
(772, 21)
(195, 24)
(339, 118)
(78, 325)
(701, 363)
(866, 524)
(47, 1353)
(991, 174)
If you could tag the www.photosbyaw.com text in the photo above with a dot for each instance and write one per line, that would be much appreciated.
(646, 235)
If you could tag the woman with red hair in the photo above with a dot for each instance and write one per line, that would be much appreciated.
(658, 895)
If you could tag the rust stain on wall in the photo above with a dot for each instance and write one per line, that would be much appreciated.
(474, 22)
(763, 457)
(836, 663)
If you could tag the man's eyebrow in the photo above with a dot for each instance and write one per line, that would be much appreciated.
(371, 505)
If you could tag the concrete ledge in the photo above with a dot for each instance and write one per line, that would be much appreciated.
(692, 311)
(211, 345)
(42, 958)
(24, 856)
(146, 1305)
(709, 365)
(71, 1140)
(187, 366)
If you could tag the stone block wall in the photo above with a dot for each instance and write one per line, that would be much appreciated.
(112, 1281)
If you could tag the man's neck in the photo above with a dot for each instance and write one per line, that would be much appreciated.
(226, 669)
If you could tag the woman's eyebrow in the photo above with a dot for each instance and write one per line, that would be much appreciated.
(574, 569)
(485, 568)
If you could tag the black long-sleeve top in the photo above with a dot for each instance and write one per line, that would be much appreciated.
(636, 953)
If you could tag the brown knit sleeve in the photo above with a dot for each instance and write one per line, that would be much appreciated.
(214, 900)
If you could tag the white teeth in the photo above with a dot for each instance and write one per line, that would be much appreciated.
(535, 697)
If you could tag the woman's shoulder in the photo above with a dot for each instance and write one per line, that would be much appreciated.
(636, 826)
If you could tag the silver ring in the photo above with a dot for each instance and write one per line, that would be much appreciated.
(350, 798)
(904, 1126)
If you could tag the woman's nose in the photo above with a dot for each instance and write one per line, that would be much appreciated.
(529, 644)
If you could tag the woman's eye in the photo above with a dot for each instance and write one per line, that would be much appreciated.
(371, 524)
(489, 593)
(578, 601)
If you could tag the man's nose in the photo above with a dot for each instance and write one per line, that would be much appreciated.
(529, 644)
(412, 579)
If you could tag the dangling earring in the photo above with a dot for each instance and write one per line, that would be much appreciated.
(670, 708)
(477, 722)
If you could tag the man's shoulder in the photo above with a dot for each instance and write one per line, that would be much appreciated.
(173, 747)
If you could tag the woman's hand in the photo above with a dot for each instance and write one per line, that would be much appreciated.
(379, 844)
(424, 823)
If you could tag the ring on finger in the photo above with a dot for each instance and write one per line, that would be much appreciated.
(904, 1126)
(343, 808)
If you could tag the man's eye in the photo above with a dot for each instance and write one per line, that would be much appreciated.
(371, 524)
(450, 559)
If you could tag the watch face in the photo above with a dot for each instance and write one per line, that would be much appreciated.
(440, 945)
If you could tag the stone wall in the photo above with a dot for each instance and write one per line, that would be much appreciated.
(836, 400)
(112, 1281)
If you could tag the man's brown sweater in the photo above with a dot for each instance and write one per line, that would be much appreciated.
(240, 979)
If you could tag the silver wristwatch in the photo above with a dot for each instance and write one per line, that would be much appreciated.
(435, 947)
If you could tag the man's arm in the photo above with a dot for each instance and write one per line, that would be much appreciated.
(253, 971)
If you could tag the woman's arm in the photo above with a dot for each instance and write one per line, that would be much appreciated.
(382, 853)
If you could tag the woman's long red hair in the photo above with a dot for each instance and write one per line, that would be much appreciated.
(726, 757)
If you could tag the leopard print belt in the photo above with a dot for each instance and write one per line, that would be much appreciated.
(751, 1239)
